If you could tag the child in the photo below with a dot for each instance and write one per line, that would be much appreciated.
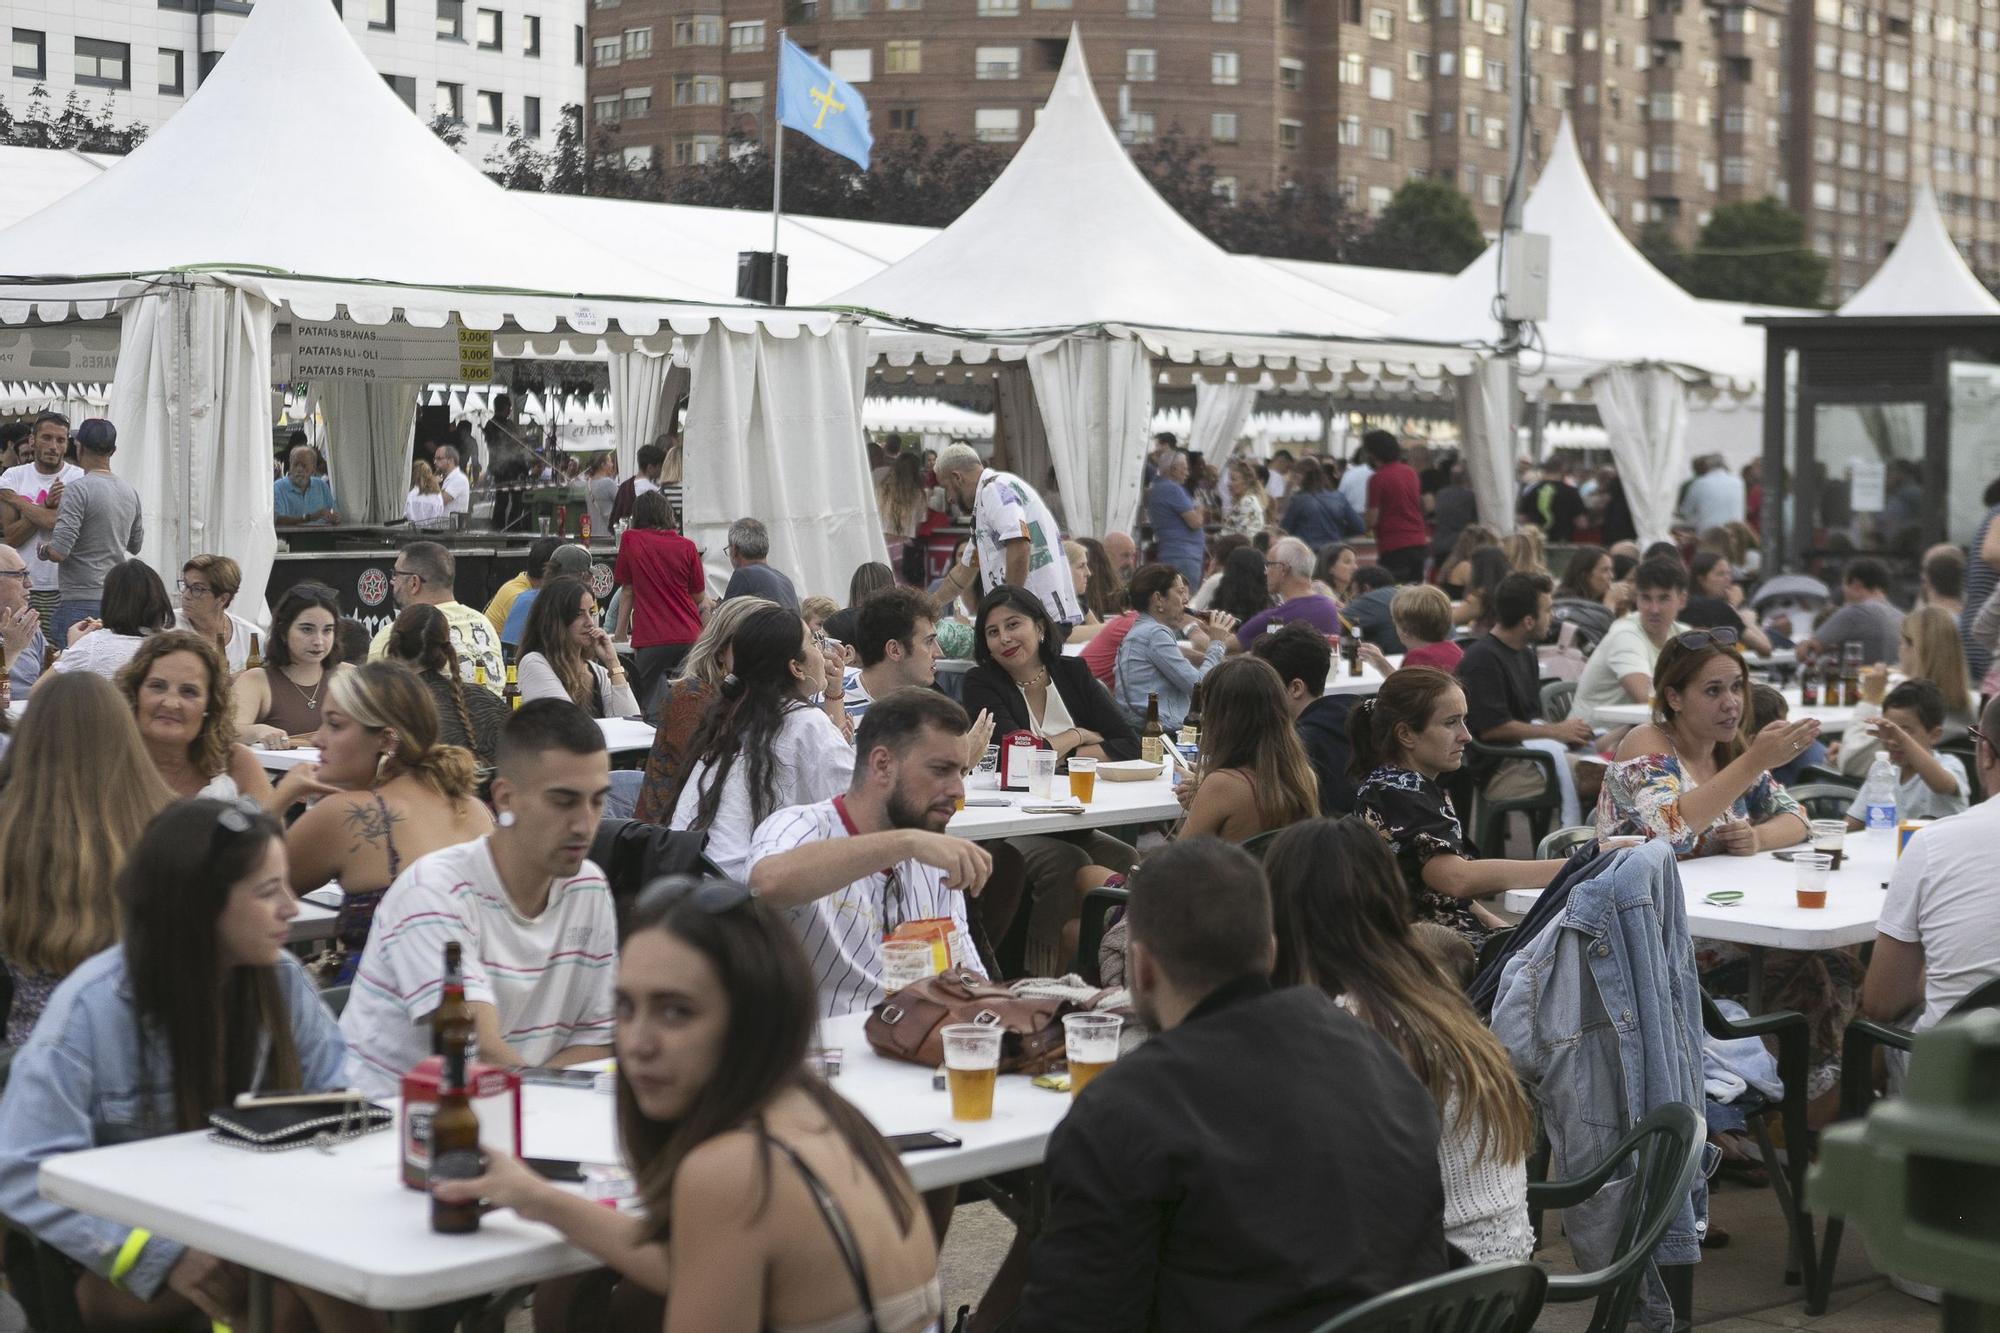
(1929, 785)
(815, 610)
(1422, 616)
(1767, 705)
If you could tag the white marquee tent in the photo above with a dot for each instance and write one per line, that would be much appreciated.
(1924, 274)
(193, 247)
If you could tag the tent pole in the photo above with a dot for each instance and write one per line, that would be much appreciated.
(777, 176)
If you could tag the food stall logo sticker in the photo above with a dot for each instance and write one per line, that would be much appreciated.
(600, 580)
(372, 586)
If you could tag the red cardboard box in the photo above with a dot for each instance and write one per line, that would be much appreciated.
(496, 1099)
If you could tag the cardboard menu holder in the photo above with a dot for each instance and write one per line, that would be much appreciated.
(496, 1100)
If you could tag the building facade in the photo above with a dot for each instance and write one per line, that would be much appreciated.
(508, 61)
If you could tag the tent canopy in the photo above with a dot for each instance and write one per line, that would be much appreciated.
(1924, 274)
(1607, 304)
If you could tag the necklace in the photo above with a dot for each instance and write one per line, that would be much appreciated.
(310, 696)
(1041, 677)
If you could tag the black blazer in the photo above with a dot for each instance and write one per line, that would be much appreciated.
(1090, 705)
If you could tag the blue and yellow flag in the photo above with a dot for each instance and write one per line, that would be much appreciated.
(825, 109)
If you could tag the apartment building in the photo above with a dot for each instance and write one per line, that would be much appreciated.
(487, 64)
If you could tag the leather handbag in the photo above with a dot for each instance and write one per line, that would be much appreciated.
(909, 1025)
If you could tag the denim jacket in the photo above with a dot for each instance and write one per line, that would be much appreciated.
(1602, 1013)
(1150, 662)
(79, 1083)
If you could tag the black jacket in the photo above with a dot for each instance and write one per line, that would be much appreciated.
(1322, 730)
(1090, 705)
(1262, 1167)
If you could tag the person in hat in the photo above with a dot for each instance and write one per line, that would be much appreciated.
(98, 525)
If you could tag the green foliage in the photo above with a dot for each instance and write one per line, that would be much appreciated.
(1658, 243)
(77, 126)
(1756, 252)
(570, 167)
(1428, 225)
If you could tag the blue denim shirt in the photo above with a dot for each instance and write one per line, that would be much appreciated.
(78, 1084)
(1150, 662)
(288, 501)
(1602, 1013)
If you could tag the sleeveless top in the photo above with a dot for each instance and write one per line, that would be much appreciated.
(293, 710)
(922, 1306)
(357, 910)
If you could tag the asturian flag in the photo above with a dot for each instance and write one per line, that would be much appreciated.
(825, 109)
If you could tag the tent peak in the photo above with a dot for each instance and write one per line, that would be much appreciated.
(1925, 274)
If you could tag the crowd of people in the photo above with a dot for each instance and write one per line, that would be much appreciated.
(1300, 947)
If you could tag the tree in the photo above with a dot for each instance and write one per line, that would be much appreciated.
(1756, 252)
(570, 168)
(1428, 225)
(76, 126)
(449, 128)
(909, 180)
(1658, 243)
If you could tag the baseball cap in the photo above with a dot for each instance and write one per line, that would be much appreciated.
(97, 435)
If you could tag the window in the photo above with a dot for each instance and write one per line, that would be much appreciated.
(451, 20)
(1496, 76)
(1417, 65)
(1559, 40)
(578, 30)
(849, 9)
(1225, 11)
(902, 118)
(1378, 199)
(173, 72)
(1222, 126)
(382, 15)
(1350, 132)
(489, 111)
(854, 65)
(1289, 132)
(996, 62)
(1140, 126)
(636, 157)
(993, 9)
(1419, 126)
(698, 30)
(747, 35)
(1418, 11)
(1225, 188)
(531, 117)
(1141, 66)
(1381, 83)
(1493, 186)
(405, 88)
(603, 110)
(692, 150)
(638, 42)
(1352, 70)
(1447, 64)
(1381, 24)
(746, 95)
(1381, 142)
(100, 64)
(1141, 9)
(607, 51)
(1055, 4)
(697, 90)
(531, 36)
(450, 101)
(1292, 11)
(486, 29)
(905, 57)
(906, 4)
(992, 124)
(1224, 68)
(639, 102)
(1496, 19)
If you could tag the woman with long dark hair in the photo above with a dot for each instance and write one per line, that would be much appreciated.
(1485, 569)
(765, 746)
(768, 1201)
(1342, 920)
(1253, 775)
(200, 1002)
(1244, 590)
(665, 589)
(565, 653)
(421, 640)
(282, 698)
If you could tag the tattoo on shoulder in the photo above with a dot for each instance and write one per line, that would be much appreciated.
(370, 823)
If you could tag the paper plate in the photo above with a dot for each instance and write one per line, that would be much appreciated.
(1127, 770)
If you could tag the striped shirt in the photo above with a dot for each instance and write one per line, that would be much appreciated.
(854, 696)
(843, 931)
(550, 976)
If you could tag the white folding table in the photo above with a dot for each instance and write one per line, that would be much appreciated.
(1112, 804)
(622, 735)
(1768, 915)
(340, 1220)
(1833, 721)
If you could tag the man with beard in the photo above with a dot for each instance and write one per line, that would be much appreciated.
(850, 870)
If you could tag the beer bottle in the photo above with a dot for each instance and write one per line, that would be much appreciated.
(1809, 683)
(479, 674)
(256, 658)
(451, 1021)
(512, 694)
(1350, 646)
(454, 1147)
(1151, 737)
(583, 529)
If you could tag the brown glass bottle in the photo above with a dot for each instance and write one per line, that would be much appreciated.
(256, 657)
(1152, 737)
(512, 693)
(451, 1021)
(454, 1147)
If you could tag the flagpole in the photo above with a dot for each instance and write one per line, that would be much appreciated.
(777, 175)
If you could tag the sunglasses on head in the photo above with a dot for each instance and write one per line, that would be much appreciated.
(1697, 639)
(711, 896)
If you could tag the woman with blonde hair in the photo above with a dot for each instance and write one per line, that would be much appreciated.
(901, 497)
(1454, 573)
(424, 505)
(177, 685)
(401, 794)
(1932, 651)
(1249, 503)
(1525, 552)
(64, 833)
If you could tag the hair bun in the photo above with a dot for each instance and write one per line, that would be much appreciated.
(733, 687)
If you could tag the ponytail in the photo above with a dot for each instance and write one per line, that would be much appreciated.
(1407, 699)
(452, 771)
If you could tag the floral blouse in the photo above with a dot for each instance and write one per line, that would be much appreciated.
(1415, 817)
(682, 705)
(1643, 795)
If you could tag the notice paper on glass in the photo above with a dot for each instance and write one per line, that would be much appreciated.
(1867, 485)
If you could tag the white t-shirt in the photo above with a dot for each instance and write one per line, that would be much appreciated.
(549, 977)
(810, 761)
(1916, 800)
(1623, 650)
(424, 511)
(240, 630)
(457, 491)
(643, 485)
(1007, 509)
(1941, 897)
(31, 483)
(101, 651)
(1354, 485)
(843, 931)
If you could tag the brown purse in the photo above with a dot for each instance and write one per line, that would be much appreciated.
(909, 1025)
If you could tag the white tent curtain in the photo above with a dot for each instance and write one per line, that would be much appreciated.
(1483, 400)
(1645, 414)
(1021, 441)
(192, 402)
(638, 379)
(774, 433)
(370, 427)
(1097, 404)
(1220, 413)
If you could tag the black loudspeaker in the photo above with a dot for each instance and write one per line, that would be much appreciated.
(760, 276)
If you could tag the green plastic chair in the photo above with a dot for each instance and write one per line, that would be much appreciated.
(1489, 814)
(1560, 843)
(1558, 700)
(1823, 800)
(1259, 843)
(1491, 1298)
(1966, 750)
(1668, 1146)
(1097, 905)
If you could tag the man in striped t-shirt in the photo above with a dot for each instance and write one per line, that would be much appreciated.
(532, 917)
(895, 631)
(850, 870)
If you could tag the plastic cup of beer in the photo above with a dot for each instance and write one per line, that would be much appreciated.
(1083, 779)
(971, 1064)
(1830, 837)
(1042, 775)
(1812, 869)
(1090, 1043)
(906, 962)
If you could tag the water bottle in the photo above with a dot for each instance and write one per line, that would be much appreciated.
(1878, 794)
